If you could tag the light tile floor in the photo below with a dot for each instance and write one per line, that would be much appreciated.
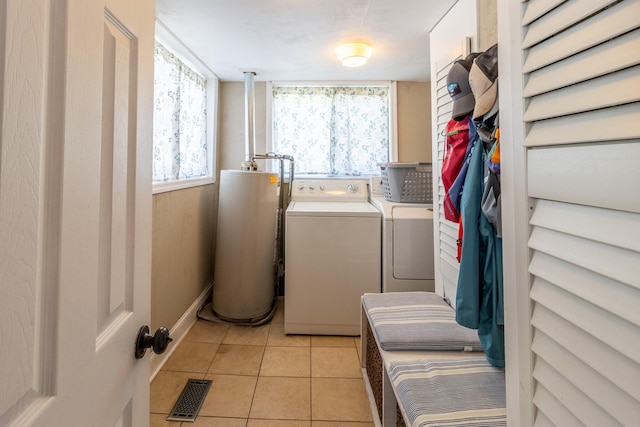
(264, 378)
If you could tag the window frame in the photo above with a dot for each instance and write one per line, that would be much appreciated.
(165, 37)
(393, 109)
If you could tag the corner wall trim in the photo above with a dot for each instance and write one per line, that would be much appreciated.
(179, 331)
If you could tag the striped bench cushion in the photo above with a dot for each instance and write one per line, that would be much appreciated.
(450, 392)
(417, 321)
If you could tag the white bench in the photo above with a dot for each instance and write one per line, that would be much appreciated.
(416, 332)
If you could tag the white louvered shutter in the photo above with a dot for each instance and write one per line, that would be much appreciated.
(454, 37)
(581, 172)
(447, 231)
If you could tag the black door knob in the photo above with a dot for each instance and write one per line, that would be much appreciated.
(158, 342)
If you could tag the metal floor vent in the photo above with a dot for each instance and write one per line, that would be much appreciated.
(190, 401)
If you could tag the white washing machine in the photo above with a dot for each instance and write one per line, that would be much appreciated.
(332, 256)
(407, 243)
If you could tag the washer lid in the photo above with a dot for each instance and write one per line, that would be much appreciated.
(412, 213)
(391, 210)
(360, 209)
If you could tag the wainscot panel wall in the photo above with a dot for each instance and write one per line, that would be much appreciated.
(184, 224)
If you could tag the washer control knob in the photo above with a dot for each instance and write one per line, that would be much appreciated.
(311, 188)
(301, 188)
(352, 188)
(321, 188)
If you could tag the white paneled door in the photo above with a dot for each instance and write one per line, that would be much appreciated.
(76, 94)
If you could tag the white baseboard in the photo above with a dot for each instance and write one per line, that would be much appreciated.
(179, 331)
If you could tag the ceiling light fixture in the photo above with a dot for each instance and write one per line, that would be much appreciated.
(353, 54)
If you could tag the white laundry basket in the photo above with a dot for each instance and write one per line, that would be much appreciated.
(407, 182)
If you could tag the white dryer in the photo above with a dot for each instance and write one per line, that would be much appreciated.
(332, 256)
(407, 243)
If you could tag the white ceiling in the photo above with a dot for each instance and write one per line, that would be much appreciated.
(295, 39)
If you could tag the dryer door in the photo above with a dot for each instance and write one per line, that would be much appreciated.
(413, 243)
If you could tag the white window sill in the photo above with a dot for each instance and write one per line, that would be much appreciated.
(163, 187)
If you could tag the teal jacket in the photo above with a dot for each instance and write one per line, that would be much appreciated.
(479, 298)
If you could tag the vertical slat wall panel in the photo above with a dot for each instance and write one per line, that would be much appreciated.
(582, 107)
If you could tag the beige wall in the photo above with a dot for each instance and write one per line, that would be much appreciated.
(414, 121)
(487, 24)
(231, 131)
(183, 239)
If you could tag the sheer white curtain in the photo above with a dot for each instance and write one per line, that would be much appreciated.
(179, 120)
(340, 130)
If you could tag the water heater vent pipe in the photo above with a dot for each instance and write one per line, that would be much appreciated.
(249, 122)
